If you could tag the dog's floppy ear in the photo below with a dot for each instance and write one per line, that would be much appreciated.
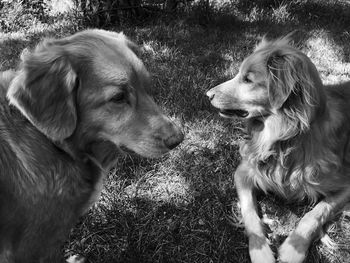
(294, 83)
(44, 91)
(281, 79)
(291, 73)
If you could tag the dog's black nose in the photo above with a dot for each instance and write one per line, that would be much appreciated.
(210, 94)
(173, 141)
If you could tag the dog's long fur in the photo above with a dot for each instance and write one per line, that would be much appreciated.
(63, 115)
(299, 141)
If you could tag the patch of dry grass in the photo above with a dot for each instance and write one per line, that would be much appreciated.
(178, 208)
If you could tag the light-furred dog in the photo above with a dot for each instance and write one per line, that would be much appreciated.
(64, 115)
(298, 144)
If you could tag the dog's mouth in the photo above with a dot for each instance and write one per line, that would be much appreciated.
(227, 113)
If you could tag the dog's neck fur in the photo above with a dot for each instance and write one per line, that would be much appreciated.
(101, 153)
(288, 152)
(286, 124)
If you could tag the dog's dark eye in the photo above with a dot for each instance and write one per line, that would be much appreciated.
(119, 98)
(246, 79)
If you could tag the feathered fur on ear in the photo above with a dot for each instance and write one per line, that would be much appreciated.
(263, 43)
(293, 38)
(294, 84)
(43, 91)
(281, 79)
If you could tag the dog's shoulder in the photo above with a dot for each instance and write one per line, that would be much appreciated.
(338, 97)
(338, 92)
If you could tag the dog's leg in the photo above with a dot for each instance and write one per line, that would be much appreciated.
(76, 259)
(259, 249)
(294, 248)
(5, 256)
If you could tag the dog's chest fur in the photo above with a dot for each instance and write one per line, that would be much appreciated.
(273, 174)
(299, 167)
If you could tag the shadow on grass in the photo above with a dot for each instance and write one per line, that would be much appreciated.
(176, 209)
(148, 231)
(309, 15)
(12, 44)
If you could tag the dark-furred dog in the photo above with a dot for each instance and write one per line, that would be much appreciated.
(299, 142)
(63, 115)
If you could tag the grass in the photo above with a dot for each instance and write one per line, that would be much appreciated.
(180, 208)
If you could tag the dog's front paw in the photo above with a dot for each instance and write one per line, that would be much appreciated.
(259, 250)
(76, 259)
(293, 250)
